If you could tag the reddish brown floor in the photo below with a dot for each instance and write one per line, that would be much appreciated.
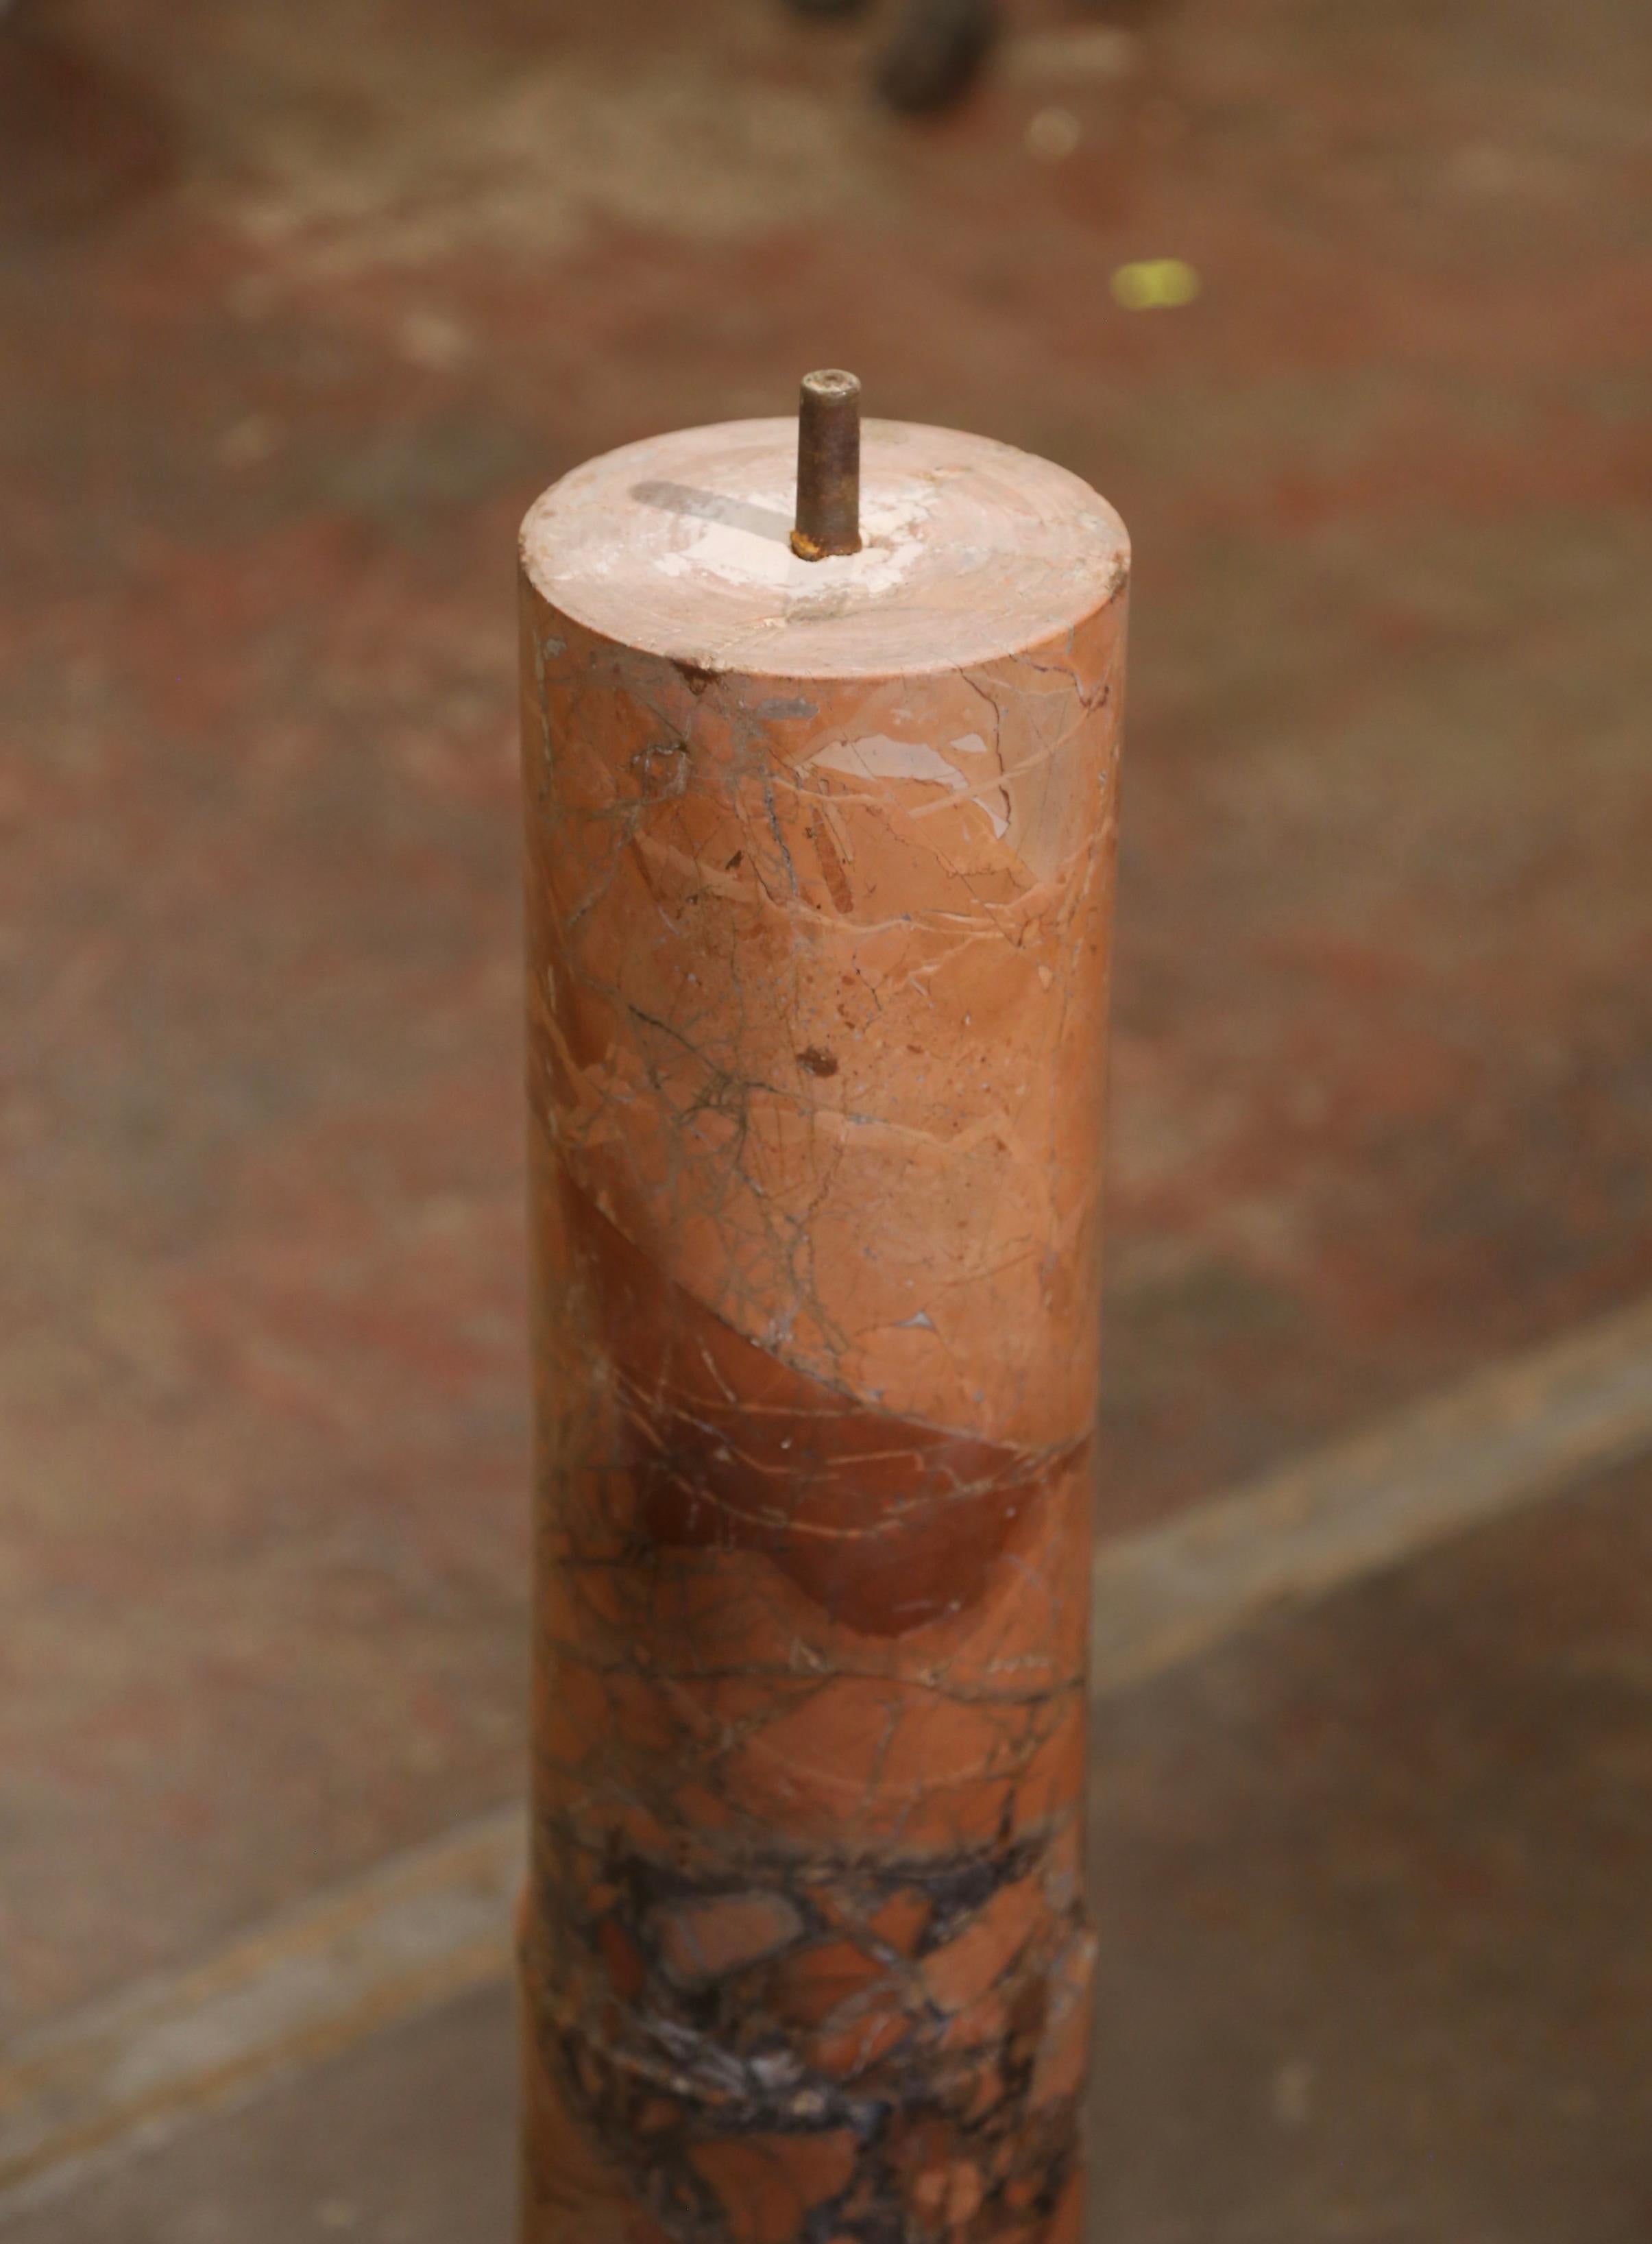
(1374, 1891)
(299, 306)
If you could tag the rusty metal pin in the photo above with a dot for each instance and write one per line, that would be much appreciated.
(828, 515)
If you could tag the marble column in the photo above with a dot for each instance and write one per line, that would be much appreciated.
(820, 867)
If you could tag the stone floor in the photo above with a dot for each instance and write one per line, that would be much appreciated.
(299, 307)
(1375, 1889)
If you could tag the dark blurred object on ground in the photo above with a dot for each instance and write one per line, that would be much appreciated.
(77, 138)
(936, 49)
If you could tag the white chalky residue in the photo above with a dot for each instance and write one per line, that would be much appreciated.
(727, 544)
(971, 744)
(879, 756)
(875, 755)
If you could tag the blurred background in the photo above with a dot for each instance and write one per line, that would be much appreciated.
(1349, 309)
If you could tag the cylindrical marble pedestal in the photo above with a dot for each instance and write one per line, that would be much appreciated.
(820, 879)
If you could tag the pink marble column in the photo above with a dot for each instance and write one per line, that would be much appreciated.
(820, 875)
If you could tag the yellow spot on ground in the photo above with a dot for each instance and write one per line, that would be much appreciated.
(1157, 284)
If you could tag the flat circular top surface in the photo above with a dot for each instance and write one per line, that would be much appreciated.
(680, 545)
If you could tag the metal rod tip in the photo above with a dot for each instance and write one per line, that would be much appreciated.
(828, 516)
